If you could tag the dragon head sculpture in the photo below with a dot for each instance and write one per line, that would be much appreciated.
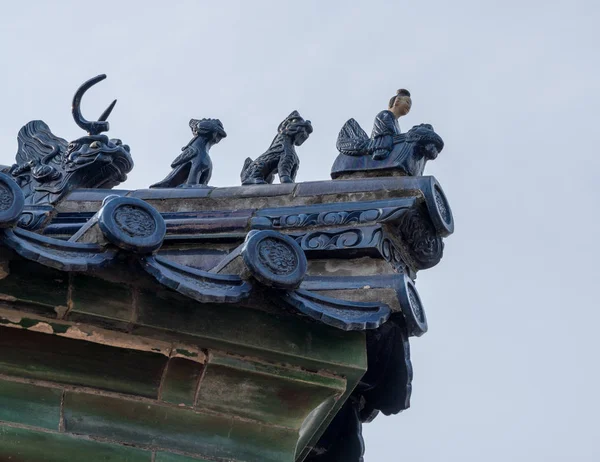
(48, 167)
(427, 143)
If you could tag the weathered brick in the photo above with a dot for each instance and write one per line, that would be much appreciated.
(57, 359)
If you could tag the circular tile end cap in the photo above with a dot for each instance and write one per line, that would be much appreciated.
(132, 224)
(412, 308)
(12, 201)
(274, 259)
(439, 208)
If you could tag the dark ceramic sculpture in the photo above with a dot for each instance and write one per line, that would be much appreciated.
(281, 157)
(193, 166)
(387, 151)
(48, 167)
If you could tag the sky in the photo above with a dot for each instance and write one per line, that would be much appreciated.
(509, 368)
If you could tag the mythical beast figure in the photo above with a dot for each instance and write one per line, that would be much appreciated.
(281, 157)
(193, 166)
(48, 167)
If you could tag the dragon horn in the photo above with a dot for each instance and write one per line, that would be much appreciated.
(107, 112)
(96, 127)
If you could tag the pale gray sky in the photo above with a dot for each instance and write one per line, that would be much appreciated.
(509, 369)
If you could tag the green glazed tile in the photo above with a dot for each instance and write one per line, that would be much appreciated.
(57, 359)
(101, 298)
(170, 457)
(29, 281)
(177, 429)
(28, 404)
(19, 445)
(181, 381)
(267, 393)
(276, 370)
(280, 338)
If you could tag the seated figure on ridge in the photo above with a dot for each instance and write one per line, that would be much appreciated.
(386, 124)
(387, 151)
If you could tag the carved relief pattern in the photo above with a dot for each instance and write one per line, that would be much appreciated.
(335, 218)
(6, 197)
(326, 218)
(31, 220)
(442, 206)
(425, 247)
(277, 256)
(391, 253)
(135, 221)
(331, 240)
(415, 305)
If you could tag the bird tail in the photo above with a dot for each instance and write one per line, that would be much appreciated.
(247, 163)
(173, 179)
(352, 140)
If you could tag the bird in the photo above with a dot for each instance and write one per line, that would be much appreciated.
(193, 167)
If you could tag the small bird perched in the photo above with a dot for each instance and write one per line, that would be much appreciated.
(193, 166)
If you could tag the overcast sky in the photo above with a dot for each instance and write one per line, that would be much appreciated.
(509, 370)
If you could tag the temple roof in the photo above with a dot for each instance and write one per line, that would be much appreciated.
(307, 289)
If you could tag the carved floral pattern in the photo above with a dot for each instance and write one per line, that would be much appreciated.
(6, 197)
(277, 256)
(135, 221)
(442, 205)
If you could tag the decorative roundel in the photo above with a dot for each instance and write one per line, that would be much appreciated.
(132, 224)
(442, 205)
(412, 308)
(12, 201)
(274, 259)
(109, 198)
(439, 209)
